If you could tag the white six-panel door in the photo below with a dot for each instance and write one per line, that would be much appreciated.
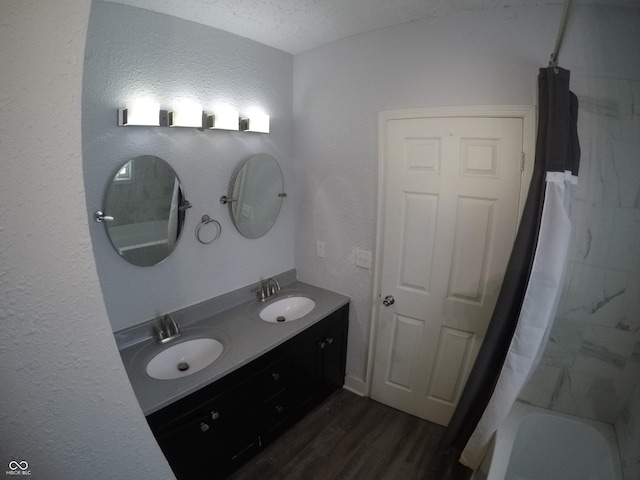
(451, 198)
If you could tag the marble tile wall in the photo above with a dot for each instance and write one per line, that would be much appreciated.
(591, 365)
(628, 433)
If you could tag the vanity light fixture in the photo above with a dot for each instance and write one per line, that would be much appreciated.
(139, 113)
(148, 114)
(258, 122)
(186, 115)
(224, 119)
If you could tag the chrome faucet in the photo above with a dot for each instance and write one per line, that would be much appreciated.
(167, 330)
(269, 288)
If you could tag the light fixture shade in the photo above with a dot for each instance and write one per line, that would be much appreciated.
(139, 112)
(186, 116)
(257, 122)
(224, 119)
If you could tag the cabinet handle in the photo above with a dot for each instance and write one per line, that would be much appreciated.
(275, 376)
(279, 409)
(204, 427)
(215, 415)
(330, 340)
(322, 345)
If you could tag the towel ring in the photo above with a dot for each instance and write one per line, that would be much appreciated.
(206, 219)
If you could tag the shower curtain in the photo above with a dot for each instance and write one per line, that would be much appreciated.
(532, 285)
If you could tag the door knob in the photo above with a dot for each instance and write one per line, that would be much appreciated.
(388, 300)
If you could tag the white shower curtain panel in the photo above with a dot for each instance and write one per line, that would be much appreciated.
(537, 314)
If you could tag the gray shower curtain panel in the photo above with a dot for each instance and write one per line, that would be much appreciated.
(557, 150)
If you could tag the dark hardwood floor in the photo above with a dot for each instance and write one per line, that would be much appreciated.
(350, 437)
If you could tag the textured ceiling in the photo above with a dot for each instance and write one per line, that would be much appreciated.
(298, 25)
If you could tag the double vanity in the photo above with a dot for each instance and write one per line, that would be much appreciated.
(238, 372)
(221, 379)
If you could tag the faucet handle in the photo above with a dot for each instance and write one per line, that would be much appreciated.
(261, 292)
(159, 333)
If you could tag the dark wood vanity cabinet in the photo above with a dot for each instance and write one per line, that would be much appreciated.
(213, 431)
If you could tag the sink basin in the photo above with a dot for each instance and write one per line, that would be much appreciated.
(287, 309)
(185, 358)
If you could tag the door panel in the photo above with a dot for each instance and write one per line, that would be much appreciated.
(469, 266)
(454, 349)
(404, 350)
(451, 193)
(417, 241)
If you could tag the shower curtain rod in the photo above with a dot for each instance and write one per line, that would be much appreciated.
(553, 61)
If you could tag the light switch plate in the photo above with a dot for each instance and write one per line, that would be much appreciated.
(320, 249)
(363, 259)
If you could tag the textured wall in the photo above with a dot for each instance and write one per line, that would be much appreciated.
(132, 52)
(66, 405)
(340, 88)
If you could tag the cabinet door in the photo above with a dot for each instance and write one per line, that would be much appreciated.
(187, 449)
(234, 427)
(307, 374)
(334, 358)
(319, 362)
(218, 438)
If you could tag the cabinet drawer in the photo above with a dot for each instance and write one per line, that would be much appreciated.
(273, 379)
(275, 414)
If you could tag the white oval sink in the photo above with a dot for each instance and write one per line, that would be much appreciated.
(183, 359)
(287, 309)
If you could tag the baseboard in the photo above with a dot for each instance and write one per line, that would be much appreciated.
(355, 385)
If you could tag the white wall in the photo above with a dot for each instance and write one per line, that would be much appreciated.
(471, 58)
(66, 406)
(132, 52)
(488, 57)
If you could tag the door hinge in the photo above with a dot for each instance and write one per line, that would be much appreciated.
(522, 161)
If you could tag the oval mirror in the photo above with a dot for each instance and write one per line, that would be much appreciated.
(145, 210)
(256, 195)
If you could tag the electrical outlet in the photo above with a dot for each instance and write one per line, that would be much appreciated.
(320, 249)
(363, 259)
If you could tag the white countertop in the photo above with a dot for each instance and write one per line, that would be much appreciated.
(243, 334)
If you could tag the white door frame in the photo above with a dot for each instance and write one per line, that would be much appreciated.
(525, 112)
